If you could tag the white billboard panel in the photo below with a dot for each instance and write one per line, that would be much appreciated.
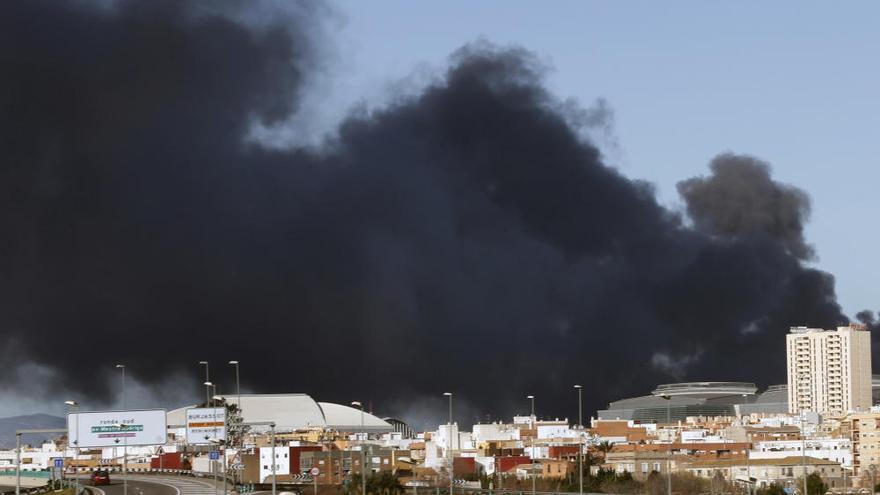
(205, 425)
(117, 428)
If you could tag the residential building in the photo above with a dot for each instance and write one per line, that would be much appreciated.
(838, 450)
(555, 469)
(640, 464)
(785, 471)
(864, 430)
(829, 371)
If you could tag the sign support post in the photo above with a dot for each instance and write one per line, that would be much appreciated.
(315, 472)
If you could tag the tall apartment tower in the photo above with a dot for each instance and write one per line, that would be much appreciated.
(829, 371)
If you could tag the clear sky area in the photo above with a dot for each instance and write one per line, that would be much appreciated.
(793, 83)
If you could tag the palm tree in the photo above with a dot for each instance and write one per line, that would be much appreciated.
(605, 446)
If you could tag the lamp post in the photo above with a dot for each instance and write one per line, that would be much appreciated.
(237, 386)
(272, 427)
(221, 444)
(363, 457)
(75, 406)
(748, 454)
(580, 441)
(207, 381)
(668, 400)
(449, 447)
(124, 439)
(804, 453)
(208, 386)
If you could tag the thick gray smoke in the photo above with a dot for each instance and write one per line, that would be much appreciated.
(741, 200)
(466, 238)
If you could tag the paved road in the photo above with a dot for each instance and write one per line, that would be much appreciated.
(134, 488)
(156, 485)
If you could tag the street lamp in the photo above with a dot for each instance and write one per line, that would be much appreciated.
(237, 386)
(580, 441)
(363, 456)
(75, 405)
(208, 386)
(207, 381)
(124, 439)
(804, 454)
(668, 400)
(449, 446)
(748, 453)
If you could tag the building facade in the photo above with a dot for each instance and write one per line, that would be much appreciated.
(864, 430)
(829, 371)
(763, 472)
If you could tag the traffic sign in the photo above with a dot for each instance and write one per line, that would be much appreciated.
(59, 462)
(112, 428)
(205, 426)
(314, 471)
(215, 455)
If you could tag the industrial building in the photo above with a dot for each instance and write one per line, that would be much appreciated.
(682, 400)
(292, 412)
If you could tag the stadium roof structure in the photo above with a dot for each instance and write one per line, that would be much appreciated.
(296, 412)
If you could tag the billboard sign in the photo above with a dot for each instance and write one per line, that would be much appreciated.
(117, 428)
(205, 425)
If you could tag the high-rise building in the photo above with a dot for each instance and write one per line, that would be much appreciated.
(829, 371)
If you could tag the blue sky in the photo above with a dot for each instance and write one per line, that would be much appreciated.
(794, 83)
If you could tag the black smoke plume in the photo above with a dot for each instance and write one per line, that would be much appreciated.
(466, 238)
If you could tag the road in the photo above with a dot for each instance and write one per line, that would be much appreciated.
(155, 485)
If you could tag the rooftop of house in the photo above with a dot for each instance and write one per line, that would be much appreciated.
(785, 461)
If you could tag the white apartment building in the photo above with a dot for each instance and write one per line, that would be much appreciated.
(838, 450)
(829, 371)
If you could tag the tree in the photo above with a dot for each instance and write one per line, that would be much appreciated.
(773, 489)
(815, 485)
(382, 483)
(605, 446)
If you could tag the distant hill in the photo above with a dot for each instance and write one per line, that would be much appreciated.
(31, 421)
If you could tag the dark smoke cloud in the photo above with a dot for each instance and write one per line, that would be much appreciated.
(466, 238)
(740, 199)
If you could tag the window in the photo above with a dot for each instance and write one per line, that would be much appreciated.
(657, 467)
(644, 467)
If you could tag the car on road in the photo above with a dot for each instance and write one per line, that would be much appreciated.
(101, 477)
